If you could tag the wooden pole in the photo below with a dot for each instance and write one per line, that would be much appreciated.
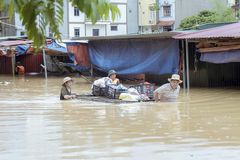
(187, 65)
(45, 64)
(13, 64)
(91, 71)
(184, 67)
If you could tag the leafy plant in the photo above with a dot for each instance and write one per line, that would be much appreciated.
(37, 14)
(220, 13)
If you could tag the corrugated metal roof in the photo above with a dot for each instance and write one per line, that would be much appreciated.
(132, 36)
(226, 31)
(13, 43)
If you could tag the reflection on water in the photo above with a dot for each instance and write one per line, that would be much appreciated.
(34, 124)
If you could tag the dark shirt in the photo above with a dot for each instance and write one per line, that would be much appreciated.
(64, 91)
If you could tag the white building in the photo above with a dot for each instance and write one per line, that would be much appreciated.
(76, 24)
(80, 26)
(166, 13)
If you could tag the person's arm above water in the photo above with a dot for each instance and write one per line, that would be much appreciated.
(66, 94)
(116, 81)
(158, 92)
(69, 96)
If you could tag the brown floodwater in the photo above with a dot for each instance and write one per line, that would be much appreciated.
(34, 124)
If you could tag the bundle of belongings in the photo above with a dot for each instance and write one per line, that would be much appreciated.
(110, 87)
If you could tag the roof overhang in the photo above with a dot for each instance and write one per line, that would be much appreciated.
(161, 35)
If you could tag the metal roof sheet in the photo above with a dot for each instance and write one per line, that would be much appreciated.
(129, 36)
(13, 43)
(226, 31)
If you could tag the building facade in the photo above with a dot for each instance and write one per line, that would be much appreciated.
(76, 24)
(147, 16)
(166, 15)
(132, 17)
(81, 26)
(7, 24)
(156, 15)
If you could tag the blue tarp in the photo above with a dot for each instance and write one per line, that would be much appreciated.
(221, 57)
(136, 56)
(21, 49)
(59, 48)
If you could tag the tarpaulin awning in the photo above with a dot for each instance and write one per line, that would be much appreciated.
(221, 57)
(56, 47)
(156, 56)
(22, 49)
(226, 31)
(165, 23)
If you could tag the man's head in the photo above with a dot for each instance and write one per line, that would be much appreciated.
(174, 81)
(112, 74)
(68, 81)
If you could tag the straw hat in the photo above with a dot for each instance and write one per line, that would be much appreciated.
(111, 72)
(175, 77)
(66, 79)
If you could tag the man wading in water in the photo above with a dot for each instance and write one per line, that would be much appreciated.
(170, 91)
(66, 89)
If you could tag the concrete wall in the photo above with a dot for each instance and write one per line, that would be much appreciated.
(122, 28)
(90, 27)
(7, 30)
(64, 27)
(132, 16)
(144, 12)
(186, 8)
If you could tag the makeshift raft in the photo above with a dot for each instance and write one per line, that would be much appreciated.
(90, 97)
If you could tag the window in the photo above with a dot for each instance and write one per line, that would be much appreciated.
(114, 28)
(22, 33)
(95, 32)
(167, 28)
(76, 11)
(76, 32)
(166, 11)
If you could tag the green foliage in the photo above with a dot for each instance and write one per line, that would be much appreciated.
(220, 13)
(202, 18)
(154, 7)
(223, 12)
(37, 14)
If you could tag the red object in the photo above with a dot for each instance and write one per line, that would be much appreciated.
(31, 62)
(80, 50)
(5, 65)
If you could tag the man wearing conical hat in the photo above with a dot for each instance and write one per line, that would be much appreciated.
(169, 91)
(66, 89)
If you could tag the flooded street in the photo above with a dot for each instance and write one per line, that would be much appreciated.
(35, 124)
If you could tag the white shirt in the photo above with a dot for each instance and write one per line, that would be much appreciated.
(167, 93)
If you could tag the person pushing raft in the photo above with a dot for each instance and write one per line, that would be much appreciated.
(168, 92)
(66, 89)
